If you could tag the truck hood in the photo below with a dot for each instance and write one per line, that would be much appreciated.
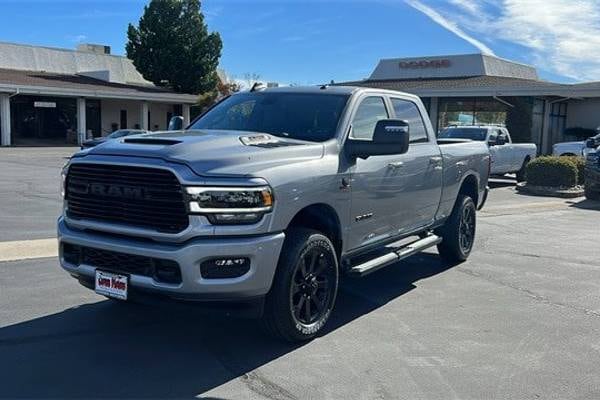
(214, 152)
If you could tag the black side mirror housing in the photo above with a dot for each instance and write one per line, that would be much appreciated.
(500, 140)
(176, 123)
(590, 143)
(391, 136)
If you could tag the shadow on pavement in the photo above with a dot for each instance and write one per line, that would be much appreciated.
(586, 204)
(121, 350)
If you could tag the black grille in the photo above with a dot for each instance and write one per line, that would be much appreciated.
(161, 270)
(136, 196)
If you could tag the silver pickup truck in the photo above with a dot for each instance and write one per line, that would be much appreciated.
(267, 199)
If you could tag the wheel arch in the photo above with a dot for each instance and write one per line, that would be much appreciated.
(323, 218)
(470, 187)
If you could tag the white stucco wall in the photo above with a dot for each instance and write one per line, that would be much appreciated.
(111, 113)
(583, 113)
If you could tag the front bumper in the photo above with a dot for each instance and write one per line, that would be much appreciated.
(263, 252)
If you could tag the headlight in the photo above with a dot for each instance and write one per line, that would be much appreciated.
(230, 205)
(63, 180)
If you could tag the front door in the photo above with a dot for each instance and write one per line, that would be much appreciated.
(500, 154)
(421, 172)
(374, 183)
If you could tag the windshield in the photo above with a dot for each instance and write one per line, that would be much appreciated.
(464, 133)
(304, 116)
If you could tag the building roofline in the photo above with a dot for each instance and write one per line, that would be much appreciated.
(102, 94)
(61, 49)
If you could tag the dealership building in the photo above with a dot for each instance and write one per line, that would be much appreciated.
(481, 89)
(52, 96)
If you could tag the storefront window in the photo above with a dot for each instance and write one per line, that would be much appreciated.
(43, 120)
(471, 111)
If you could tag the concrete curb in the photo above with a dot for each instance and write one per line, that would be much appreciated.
(28, 249)
(548, 191)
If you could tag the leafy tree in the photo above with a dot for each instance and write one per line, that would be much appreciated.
(172, 47)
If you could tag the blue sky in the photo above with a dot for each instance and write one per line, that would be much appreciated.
(308, 42)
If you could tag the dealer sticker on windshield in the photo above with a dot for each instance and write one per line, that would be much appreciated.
(111, 285)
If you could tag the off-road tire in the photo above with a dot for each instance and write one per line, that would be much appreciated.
(521, 176)
(454, 247)
(591, 195)
(284, 316)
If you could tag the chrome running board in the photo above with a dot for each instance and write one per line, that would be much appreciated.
(395, 255)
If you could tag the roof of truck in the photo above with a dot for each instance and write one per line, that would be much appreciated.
(326, 89)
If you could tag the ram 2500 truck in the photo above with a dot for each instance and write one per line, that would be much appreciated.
(507, 157)
(268, 198)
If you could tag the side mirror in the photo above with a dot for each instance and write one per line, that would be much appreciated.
(590, 143)
(491, 142)
(500, 140)
(176, 123)
(391, 136)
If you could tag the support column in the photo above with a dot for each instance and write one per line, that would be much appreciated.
(545, 138)
(433, 114)
(81, 122)
(185, 110)
(4, 119)
(144, 115)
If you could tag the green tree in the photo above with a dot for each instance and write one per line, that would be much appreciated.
(172, 47)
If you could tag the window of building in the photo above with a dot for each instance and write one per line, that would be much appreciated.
(123, 122)
(408, 111)
(471, 111)
(371, 110)
(558, 120)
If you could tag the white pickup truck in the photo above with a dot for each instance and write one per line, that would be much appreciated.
(581, 148)
(507, 157)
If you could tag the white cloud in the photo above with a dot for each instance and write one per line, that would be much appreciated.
(78, 38)
(562, 36)
(449, 25)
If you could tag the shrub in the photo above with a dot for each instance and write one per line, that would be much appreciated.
(552, 171)
(579, 162)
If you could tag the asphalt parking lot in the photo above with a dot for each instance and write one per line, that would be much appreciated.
(519, 319)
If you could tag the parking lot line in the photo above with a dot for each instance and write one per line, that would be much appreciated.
(27, 249)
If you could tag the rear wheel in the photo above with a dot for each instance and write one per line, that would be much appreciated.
(304, 288)
(458, 233)
(591, 195)
(521, 177)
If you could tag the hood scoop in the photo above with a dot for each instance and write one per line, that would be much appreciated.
(157, 142)
(265, 141)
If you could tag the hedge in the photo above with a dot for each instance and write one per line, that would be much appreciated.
(580, 164)
(552, 171)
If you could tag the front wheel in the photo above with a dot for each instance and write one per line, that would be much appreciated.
(458, 233)
(304, 288)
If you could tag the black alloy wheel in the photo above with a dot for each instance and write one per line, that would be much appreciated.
(466, 230)
(312, 285)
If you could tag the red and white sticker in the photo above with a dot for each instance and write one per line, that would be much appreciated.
(111, 285)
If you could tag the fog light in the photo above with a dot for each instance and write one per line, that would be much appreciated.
(224, 268)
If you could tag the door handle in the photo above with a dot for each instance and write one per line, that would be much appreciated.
(435, 160)
(396, 164)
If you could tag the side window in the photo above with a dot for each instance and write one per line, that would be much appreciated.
(408, 111)
(493, 135)
(370, 110)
